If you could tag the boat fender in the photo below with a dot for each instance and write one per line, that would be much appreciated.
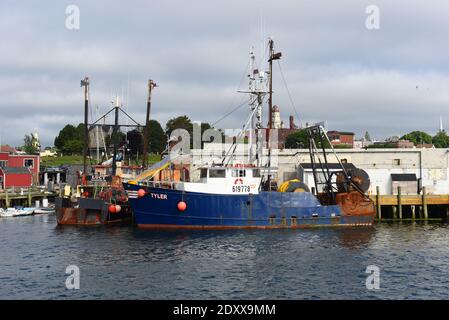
(112, 208)
(118, 208)
(182, 206)
(141, 193)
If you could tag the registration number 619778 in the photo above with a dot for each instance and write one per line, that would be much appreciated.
(241, 189)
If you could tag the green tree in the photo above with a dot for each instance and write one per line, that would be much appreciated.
(70, 139)
(367, 136)
(297, 140)
(157, 138)
(441, 140)
(72, 147)
(30, 145)
(300, 139)
(417, 137)
(181, 122)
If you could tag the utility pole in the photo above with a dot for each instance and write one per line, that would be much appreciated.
(146, 138)
(85, 84)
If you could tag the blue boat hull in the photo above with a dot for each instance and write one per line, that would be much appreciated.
(159, 209)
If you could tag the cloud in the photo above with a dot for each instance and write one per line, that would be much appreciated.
(387, 81)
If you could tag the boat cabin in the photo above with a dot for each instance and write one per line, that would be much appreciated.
(225, 180)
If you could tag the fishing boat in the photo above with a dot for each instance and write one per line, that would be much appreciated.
(95, 200)
(245, 195)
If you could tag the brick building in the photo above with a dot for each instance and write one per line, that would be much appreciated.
(341, 138)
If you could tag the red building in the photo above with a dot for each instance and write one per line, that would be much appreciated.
(30, 163)
(341, 138)
(15, 177)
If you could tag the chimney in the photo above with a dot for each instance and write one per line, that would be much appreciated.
(292, 123)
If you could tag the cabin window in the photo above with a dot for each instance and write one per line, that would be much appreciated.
(256, 173)
(29, 163)
(397, 162)
(3, 163)
(238, 173)
(203, 173)
(217, 173)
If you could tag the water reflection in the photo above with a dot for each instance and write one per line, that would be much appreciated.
(355, 238)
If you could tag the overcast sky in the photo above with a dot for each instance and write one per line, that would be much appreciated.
(388, 81)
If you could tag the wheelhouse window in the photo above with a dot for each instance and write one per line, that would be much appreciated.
(3, 163)
(29, 163)
(203, 173)
(238, 173)
(256, 173)
(217, 173)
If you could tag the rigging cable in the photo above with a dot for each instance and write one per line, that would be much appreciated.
(230, 112)
(289, 95)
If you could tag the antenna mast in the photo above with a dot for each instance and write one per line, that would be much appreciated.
(257, 90)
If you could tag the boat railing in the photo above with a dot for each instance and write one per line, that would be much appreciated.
(161, 184)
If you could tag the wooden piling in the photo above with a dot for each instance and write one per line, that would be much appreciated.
(379, 212)
(7, 198)
(395, 212)
(413, 207)
(424, 203)
(399, 203)
(29, 197)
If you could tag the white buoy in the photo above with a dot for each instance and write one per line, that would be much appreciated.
(45, 203)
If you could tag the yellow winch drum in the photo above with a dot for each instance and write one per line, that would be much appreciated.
(294, 185)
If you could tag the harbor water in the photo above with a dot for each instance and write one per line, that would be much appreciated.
(123, 262)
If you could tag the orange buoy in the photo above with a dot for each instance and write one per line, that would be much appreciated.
(118, 208)
(141, 193)
(182, 206)
(112, 208)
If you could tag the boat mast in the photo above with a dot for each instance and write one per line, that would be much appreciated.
(115, 137)
(151, 85)
(85, 84)
(273, 56)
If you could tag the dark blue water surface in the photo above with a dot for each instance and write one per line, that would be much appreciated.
(127, 263)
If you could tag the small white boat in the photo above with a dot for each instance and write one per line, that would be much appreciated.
(30, 209)
(44, 210)
(16, 212)
(6, 213)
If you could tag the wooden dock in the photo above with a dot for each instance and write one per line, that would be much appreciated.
(24, 197)
(418, 207)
